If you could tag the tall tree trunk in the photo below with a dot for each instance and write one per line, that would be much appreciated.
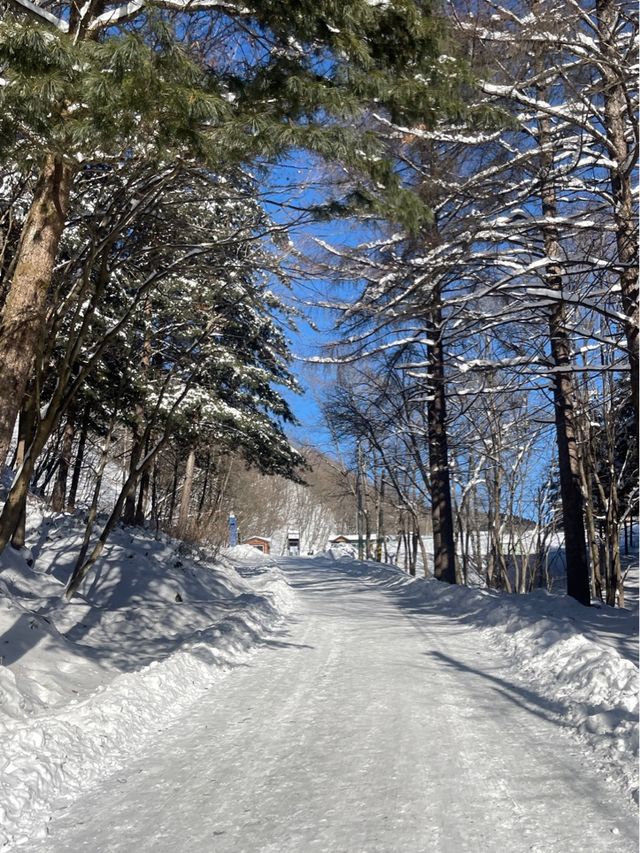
(137, 449)
(138, 514)
(621, 174)
(444, 552)
(77, 465)
(587, 468)
(380, 537)
(367, 520)
(398, 540)
(205, 486)
(24, 313)
(423, 550)
(185, 497)
(25, 431)
(359, 502)
(501, 571)
(143, 491)
(60, 486)
(155, 512)
(173, 493)
(564, 394)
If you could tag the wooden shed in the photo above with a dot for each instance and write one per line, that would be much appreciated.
(346, 539)
(262, 543)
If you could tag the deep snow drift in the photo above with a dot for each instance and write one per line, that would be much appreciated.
(87, 685)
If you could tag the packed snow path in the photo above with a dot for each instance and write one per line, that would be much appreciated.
(366, 726)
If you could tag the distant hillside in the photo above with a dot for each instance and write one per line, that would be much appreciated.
(326, 505)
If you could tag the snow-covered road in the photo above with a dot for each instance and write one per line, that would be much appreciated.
(364, 726)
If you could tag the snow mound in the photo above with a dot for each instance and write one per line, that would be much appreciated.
(247, 554)
(84, 685)
(339, 552)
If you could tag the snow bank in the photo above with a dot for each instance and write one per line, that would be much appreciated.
(247, 553)
(582, 662)
(86, 684)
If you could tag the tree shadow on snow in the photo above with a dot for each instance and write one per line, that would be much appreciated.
(543, 707)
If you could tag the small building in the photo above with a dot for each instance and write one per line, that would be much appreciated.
(346, 539)
(293, 543)
(262, 543)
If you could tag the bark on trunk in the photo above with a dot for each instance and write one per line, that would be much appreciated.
(444, 554)
(60, 486)
(141, 506)
(137, 449)
(359, 504)
(617, 123)
(564, 394)
(205, 487)
(25, 430)
(380, 537)
(143, 491)
(185, 497)
(24, 313)
(569, 462)
(77, 465)
(172, 497)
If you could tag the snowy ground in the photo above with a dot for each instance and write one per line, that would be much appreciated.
(85, 685)
(323, 704)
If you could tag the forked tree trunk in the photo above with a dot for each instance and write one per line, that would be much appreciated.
(24, 313)
(444, 552)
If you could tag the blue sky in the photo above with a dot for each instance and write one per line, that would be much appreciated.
(289, 188)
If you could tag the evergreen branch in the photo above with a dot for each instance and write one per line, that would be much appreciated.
(35, 11)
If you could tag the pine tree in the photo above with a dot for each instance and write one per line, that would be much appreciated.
(87, 85)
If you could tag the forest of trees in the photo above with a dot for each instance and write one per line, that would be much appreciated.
(508, 324)
(483, 155)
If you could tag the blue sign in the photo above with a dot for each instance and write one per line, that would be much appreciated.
(233, 530)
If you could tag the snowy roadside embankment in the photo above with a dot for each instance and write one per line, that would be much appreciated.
(580, 662)
(85, 685)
